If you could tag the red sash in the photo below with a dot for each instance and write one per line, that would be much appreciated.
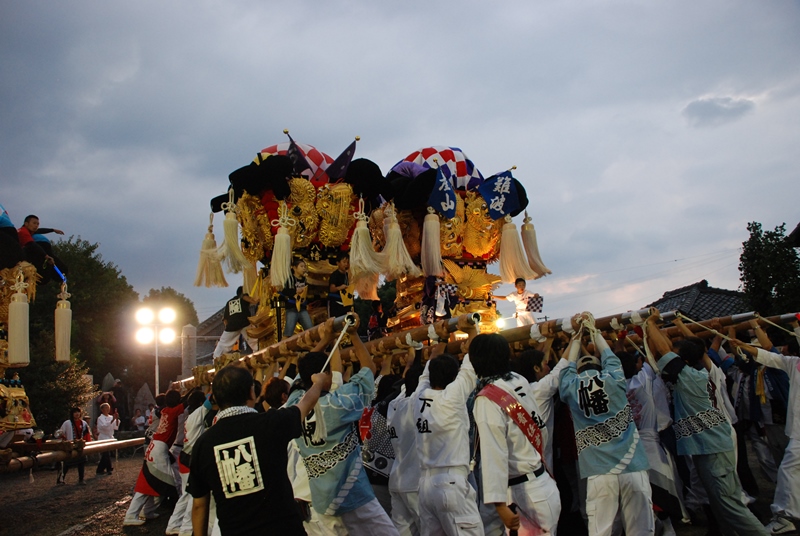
(521, 418)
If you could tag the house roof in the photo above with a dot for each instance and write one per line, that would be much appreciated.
(794, 237)
(702, 302)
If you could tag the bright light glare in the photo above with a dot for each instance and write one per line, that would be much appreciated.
(500, 323)
(145, 335)
(166, 315)
(166, 335)
(145, 316)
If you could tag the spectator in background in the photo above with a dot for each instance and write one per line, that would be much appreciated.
(106, 425)
(74, 428)
(123, 407)
(139, 421)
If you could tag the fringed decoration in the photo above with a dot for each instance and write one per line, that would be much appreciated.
(398, 261)
(513, 263)
(18, 328)
(209, 267)
(532, 248)
(233, 249)
(281, 264)
(365, 262)
(63, 323)
(367, 287)
(431, 255)
(249, 277)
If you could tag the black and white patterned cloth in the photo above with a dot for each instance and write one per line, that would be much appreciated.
(535, 304)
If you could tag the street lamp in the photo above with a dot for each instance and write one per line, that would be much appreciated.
(155, 331)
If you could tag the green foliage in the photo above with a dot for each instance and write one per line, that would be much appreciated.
(169, 297)
(770, 271)
(53, 388)
(101, 301)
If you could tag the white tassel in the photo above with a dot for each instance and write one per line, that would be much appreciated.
(431, 255)
(18, 328)
(365, 262)
(233, 251)
(532, 248)
(398, 261)
(63, 323)
(281, 263)
(513, 263)
(209, 267)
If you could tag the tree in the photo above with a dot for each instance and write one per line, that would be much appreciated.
(770, 271)
(169, 297)
(101, 301)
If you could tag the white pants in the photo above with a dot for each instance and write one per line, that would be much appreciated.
(448, 504)
(322, 525)
(405, 512)
(141, 504)
(787, 491)
(524, 318)
(184, 503)
(369, 520)
(539, 505)
(629, 493)
(229, 338)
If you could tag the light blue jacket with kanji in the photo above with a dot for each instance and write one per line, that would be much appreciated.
(605, 434)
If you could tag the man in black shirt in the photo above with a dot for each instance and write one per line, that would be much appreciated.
(340, 299)
(242, 460)
(236, 323)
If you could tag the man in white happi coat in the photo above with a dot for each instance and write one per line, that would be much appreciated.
(786, 503)
(405, 475)
(511, 444)
(447, 502)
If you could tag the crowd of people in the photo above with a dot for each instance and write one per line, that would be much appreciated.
(486, 441)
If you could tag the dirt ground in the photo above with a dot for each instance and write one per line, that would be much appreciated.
(41, 508)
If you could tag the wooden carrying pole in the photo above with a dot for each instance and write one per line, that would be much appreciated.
(304, 341)
(53, 456)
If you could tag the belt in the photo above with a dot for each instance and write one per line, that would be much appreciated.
(524, 478)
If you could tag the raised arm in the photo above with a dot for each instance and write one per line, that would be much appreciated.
(321, 383)
(685, 331)
(761, 335)
(658, 343)
(359, 349)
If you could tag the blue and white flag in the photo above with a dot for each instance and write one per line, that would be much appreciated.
(442, 197)
(500, 194)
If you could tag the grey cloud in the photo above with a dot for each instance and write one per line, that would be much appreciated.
(715, 111)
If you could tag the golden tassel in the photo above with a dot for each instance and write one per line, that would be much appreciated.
(209, 267)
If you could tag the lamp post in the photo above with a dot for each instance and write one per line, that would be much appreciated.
(155, 331)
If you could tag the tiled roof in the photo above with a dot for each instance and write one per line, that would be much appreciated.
(701, 302)
(794, 237)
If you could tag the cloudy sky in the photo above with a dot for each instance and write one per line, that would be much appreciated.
(647, 134)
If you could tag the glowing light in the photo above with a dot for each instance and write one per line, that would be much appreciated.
(145, 335)
(166, 315)
(500, 323)
(166, 335)
(145, 316)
